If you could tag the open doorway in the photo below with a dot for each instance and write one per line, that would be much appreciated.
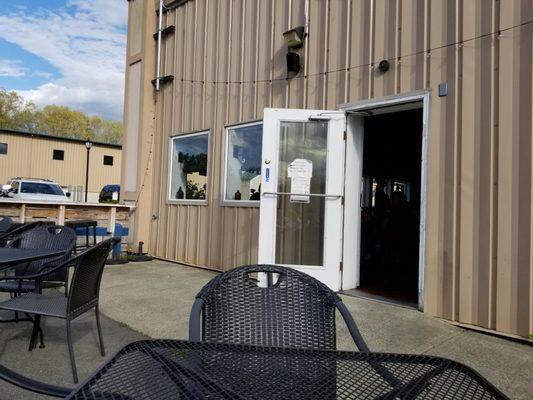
(390, 206)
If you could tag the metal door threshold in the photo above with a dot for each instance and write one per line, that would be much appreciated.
(362, 294)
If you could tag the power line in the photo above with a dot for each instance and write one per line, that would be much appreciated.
(398, 59)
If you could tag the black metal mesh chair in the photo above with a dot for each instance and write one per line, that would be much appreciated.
(82, 295)
(49, 237)
(5, 224)
(14, 230)
(293, 310)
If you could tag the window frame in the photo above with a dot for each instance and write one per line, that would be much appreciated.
(60, 151)
(193, 202)
(225, 143)
(6, 147)
(112, 160)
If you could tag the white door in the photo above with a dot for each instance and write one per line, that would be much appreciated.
(300, 221)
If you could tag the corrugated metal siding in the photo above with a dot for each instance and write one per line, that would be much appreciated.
(479, 231)
(31, 156)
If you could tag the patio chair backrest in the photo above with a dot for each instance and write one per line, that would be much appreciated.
(85, 283)
(49, 237)
(5, 223)
(293, 310)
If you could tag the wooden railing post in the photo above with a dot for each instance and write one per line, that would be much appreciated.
(112, 220)
(61, 215)
(22, 215)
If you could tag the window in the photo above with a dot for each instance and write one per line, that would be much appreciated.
(41, 188)
(59, 155)
(243, 162)
(3, 148)
(188, 179)
(108, 160)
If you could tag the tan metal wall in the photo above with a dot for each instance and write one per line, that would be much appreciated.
(31, 156)
(478, 266)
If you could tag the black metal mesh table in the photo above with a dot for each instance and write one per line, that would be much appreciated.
(170, 369)
(10, 256)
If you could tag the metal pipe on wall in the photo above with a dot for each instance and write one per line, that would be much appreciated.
(158, 62)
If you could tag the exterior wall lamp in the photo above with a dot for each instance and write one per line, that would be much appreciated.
(293, 62)
(295, 37)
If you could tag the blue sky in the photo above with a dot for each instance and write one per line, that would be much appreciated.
(65, 52)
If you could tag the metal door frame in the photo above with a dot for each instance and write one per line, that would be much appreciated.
(422, 96)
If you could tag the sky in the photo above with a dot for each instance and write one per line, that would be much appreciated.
(65, 52)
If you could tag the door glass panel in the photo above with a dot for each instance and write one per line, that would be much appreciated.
(300, 226)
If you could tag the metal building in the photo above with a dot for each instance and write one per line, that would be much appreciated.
(63, 160)
(421, 122)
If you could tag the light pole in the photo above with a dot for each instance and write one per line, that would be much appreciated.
(88, 145)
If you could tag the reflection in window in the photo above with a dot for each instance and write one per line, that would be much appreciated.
(41, 188)
(189, 167)
(3, 148)
(243, 162)
(300, 226)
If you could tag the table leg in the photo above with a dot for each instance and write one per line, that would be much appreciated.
(35, 333)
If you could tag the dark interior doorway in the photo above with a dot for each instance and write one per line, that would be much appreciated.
(390, 220)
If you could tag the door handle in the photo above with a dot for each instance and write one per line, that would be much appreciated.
(327, 196)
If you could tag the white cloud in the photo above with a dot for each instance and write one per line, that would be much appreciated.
(12, 68)
(111, 12)
(85, 42)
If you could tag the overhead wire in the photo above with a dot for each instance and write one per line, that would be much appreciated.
(458, 43)
(398, 59)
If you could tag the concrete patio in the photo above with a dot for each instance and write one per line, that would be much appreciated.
(154, 299)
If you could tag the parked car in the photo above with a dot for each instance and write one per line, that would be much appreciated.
(33, 189)
(106, 194)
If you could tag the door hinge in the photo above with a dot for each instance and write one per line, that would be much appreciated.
(345, 135)
(341, 265)
(342, 200)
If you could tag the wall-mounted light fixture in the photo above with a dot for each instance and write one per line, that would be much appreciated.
(293, 62)
(384, 66)
(295, 37)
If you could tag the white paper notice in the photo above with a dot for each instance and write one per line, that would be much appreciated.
(300, 171)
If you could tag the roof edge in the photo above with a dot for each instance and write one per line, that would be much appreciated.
(60, 138)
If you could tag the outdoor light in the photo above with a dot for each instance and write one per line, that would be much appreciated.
(295, 37)
(88, 144)
(384, 66)
(293, 62)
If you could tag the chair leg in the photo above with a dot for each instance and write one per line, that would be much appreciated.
(71, 351)
(41, 340)
(99, 328)
(16, 312)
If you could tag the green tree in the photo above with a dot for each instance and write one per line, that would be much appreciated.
(106, 131)
(20, 115)
(15, 112)
(62, 121)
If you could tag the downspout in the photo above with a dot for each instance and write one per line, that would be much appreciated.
(158, 62)
(306, 16)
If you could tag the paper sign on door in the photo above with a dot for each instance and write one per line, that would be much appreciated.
(300, 171)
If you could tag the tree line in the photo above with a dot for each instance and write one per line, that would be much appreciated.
(18, 114)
